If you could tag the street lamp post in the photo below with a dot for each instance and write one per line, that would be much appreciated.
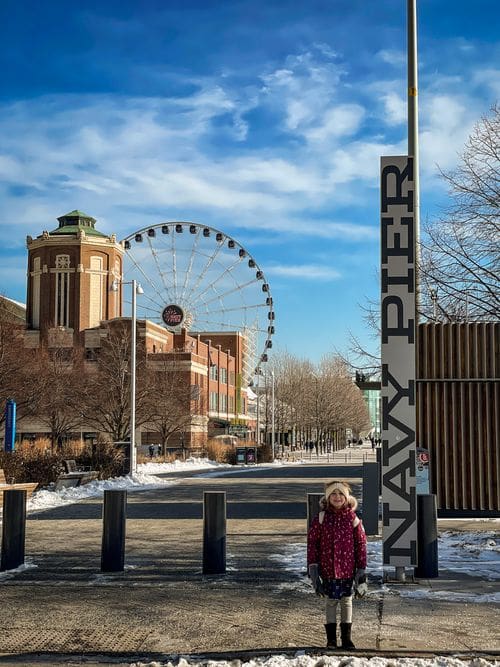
(272, 413)
(136, 289)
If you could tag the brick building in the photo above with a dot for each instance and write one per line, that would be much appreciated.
(71, 304)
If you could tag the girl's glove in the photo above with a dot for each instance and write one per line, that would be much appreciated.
(360, 576)
(360, 585)
(316, 581)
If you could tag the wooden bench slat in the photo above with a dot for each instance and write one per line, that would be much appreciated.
(29, 487)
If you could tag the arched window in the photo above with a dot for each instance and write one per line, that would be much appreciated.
(35, 293)
(62, 291)
(96, 289)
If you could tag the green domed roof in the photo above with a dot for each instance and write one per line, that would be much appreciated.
(76, 221)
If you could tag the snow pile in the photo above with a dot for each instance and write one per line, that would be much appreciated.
(192, 463)
(145, 478)
(46, 499)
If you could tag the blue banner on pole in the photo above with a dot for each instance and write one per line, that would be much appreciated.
(10, 425)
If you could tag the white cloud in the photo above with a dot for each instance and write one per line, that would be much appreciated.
(326, 50)
(343, 120)
(392, 57)
(304, 271)
(447, 122)
(361, 161)
(305, 90)
(490, 79)
(100, 151)
(131, 160)
(395, 108)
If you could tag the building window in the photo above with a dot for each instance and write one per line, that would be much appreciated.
(223, 403)
(35, 293)
(231, 378)
(62, 291)
(223, 375)
(214, 372)
(96, 289)
(231, 404)
(214, 403)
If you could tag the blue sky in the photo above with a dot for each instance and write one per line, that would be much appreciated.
(263, 119)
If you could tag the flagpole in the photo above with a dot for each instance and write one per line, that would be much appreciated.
(413, 138)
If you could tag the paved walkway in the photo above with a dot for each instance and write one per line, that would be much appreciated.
(62, 609)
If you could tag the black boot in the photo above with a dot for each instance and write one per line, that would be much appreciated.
(331, 635)
(345, 633)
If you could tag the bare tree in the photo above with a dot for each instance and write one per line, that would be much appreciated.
(460, 251)
(460, 257)
(14, 360)
(345, 405)
(55, 375)
(105, 388)
(319, 401)
(170, 399)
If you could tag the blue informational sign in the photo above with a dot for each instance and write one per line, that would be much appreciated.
(10, 425)
(422, 471)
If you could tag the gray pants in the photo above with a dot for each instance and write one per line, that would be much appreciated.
(345, 610)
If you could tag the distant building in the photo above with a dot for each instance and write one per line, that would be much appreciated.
(370, 388)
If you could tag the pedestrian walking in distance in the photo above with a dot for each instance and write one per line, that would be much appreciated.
(336, 558)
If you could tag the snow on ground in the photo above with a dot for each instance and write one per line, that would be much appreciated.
(474, 554)
(302, 660)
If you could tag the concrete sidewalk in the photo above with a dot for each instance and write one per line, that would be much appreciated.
(61, 609)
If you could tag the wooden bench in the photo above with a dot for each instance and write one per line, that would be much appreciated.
(29, 487)
(75, 475)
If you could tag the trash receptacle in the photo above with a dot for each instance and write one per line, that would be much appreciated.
(246, 455)
(241, 454)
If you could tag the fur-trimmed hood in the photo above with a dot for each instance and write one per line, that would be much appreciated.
(344, 488)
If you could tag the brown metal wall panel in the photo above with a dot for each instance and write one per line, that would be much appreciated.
(488, 482)
(474, 443)
(455, 444)
(481, 444)
(496, 442)
(459, 413)
(463, 449)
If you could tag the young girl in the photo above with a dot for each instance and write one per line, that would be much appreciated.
(336, 558)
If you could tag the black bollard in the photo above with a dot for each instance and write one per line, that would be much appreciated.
(370, 497)
(427, 538)
(214, 532)
(313, 507)
(114, 516)
(13, 529)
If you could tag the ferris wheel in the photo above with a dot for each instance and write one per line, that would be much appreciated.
(198, 278)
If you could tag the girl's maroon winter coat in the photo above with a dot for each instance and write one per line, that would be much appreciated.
(336, 545)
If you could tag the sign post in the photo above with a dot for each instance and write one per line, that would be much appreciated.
(10, 426)
(398, 390)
